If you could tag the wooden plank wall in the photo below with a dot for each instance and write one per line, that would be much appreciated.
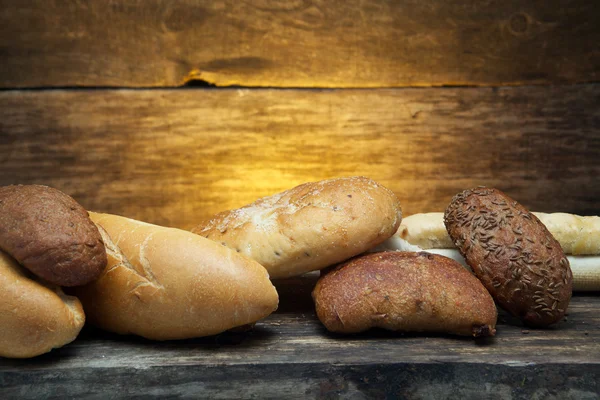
(528, 122)
(297, 43)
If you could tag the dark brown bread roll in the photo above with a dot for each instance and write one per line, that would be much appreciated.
(402, 291)
(512, 253)
(50, 234)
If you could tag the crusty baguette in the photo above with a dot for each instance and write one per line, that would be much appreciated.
(577, 235)
(34, 317)
(309, 227)
(165, 283)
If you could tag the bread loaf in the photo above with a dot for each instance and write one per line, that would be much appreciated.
(512, 253)
(34, 317)
(50, 234)
(309, 227)
(425, 230)
(164, 283)
(401, 291)
(578, 236)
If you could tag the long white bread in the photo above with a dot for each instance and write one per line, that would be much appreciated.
(578, 236)
(309, 227)
(34, 317)
(165, 283)
(426, 230)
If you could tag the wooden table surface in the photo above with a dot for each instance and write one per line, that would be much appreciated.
(291, 355)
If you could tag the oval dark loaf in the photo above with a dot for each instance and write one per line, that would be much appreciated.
(50, 234)
(512, 253)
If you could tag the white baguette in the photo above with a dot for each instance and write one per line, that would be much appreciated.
(34, 317)
(426, 230)
(309, 227)
(164, 283)
(578, 236)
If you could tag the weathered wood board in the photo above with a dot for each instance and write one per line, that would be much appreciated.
(290, 355)
(300, 43)
(173, 157)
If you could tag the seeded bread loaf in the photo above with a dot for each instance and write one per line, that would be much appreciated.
(309, 227)
(164, 283)
(401, 291)
(35, 317)
(50, 234)
(512, 253)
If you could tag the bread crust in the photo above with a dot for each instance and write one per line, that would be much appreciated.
(50, 234)
(165, 283)
(512, 253)
(402, 291)
(35, 317)
(309, 227)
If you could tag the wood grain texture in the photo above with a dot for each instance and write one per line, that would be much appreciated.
(291, 355)
(300, 43)
(174, 157)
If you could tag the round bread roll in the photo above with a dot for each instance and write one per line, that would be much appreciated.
(402, 291)
(309, 227)
(512, 253)
(165, 283)
(50, 234)
(34, 317)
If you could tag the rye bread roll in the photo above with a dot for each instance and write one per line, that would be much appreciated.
(50, 234)
(165, 283)
(35, 317)
(402, 291)
(309, 227)
(512, 253)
